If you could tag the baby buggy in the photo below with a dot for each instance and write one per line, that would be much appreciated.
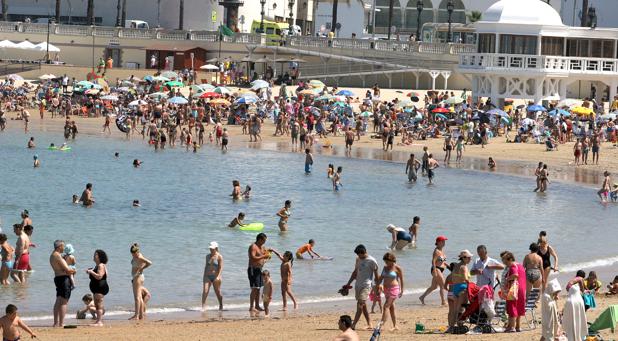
(480, 309)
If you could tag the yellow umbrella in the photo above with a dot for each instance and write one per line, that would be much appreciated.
(308, 92)
(316, 83)
(581, 111)
(219, 101)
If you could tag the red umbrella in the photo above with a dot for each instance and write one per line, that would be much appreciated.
(440, 110)
(210, 94)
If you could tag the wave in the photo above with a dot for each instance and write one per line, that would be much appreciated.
(233, 306)
(597, 263)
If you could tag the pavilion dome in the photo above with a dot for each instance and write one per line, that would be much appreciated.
(522, 12)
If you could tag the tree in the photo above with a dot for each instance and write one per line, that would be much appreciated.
(181, 19)
(58, 11)
(5, 10)
(333, 25)
(474, 16)
(90, 12)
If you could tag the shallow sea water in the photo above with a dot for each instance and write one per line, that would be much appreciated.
(186, 204)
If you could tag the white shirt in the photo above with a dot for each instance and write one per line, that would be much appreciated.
(487, 276)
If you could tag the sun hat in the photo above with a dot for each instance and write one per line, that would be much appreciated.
(68, 249)
(465, 253)
(213, 245)
(440, 239)
(553, 286)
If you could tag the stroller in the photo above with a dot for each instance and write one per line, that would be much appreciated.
(480, 309)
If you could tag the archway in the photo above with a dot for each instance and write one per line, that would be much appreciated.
(412, 14)
(382, 7)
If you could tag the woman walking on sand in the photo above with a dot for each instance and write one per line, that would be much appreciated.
(392, 279)
(141, 295)
(438, 265)
(212, 275)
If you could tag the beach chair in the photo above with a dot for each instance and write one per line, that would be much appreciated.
(500, 316)
(531, 302)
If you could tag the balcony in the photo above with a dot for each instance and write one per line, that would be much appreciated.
(515, 63)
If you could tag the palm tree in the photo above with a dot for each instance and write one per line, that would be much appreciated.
(58, 11)
(474, 16)
(181, 19)
(90, 12)
(5, 10)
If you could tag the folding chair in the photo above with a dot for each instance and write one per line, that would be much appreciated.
(500, 316)
(531, 302)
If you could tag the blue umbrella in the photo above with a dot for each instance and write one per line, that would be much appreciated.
(498, 112)
(178, 100)
(246, 100)
(559, 112)
(148, 78)
(346, 93)
(536, 107)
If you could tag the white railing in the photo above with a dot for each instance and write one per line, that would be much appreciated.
(208, 36)
(531, 63)
(73, 30)
(172, 35)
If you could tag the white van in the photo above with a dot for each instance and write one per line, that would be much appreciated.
(136, 24)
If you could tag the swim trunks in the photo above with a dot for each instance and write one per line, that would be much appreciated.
(24, 262)
(307, 168)
(459, 288)
(255, 277)
(430, 173)
(63, 286)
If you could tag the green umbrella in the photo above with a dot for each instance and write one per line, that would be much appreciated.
(366, 114)
(607, 319)
(174, 83)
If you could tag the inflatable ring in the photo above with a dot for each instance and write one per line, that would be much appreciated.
(121, 123)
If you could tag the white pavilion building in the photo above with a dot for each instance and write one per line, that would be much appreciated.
(526, 52)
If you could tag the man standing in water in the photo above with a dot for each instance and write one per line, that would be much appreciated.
(431, 165)
(22, 254)
(365, 271)
(62, 280)
(257, 256)
(411, 168)
(87, 198)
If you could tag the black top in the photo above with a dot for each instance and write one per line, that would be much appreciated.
(99, 286)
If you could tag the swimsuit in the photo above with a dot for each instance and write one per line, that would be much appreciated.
(24, 262)
(545, 258)
(403, 235)
(63, 286)
(99, 286)
(214, 265)
(533, 275)
(255, 277)
(459, 288)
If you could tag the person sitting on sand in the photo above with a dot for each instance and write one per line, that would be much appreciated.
(345, 325)
(308, 248)
(613, 287)
(88, 308)
(237, 221)
(10, 323)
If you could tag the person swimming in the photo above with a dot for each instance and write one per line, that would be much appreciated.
(238, 220)
(75, 199)
(136, 203)
(247, 193)
(137, 163)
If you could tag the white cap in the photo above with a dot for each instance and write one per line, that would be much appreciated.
(213, 245)
(553, 286)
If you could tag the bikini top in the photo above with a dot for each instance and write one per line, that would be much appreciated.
(390, 274)
(214, 263)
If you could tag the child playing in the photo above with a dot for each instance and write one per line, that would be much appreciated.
(75, 199)
(9, 324)
(375, 296)
(267, 292)
(491, 163)
(308, 161)
(613, 194)
(613, 287)
(247, 193)
(70, 259)
(286, 278)
(237, 221)
(330, 172)
(308, 248)
(337, 179)
(88, 308)
(211, 138)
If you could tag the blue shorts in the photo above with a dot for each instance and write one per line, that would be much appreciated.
(459, 288)
(307, 168)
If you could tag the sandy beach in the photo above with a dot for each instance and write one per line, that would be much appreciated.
(319, 323)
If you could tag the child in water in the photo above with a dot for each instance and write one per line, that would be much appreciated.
(88, 308)
(613, 194)
(37, 163)
(211, 138)
(247, 193)
(237, 221)
(337, 179)
(267, 292)
(308, 161)
(491, 163)
(75, 199)
(286, 278)
(330, 171)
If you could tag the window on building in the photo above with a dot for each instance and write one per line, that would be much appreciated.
(458, 15)
(517, 44)
(487, 43)
(552, 46)
(412, 14)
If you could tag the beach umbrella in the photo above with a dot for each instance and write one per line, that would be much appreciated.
(582, 111)
(209, 67)
(109, 98)
(246, 100)
(157, 95)
(413, 94)
(178, 100)
(307, 92)
(346, 93)
(172, 84)
(210, 94)
(442, 116)
(555, 112)
(366, 114)
(137, 102)
(123, 89)
(498, 112)
(148, 78)
(219, 101)
(610, 116)
(92, 91)
(316, 83)
(169, 74)
(527, 122)
(260, 82)
(247, 94)
(258, 86)
(454, 100)
(160, 79)
(569, 102)
(85, 84)
(324, 98)
(203, 87)
(15, 77)
(440, 110)
(607, 319)
(222, 90)
(44, 46)
(536, 107)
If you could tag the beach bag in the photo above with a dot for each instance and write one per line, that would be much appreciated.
(513, 292)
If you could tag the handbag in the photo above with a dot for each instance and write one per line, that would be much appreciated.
(513, 292)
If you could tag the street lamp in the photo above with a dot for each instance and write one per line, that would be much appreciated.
(419, 9)
(263, 3)
(49, 22)
(592, 17)
(450, 7)
(291, 6)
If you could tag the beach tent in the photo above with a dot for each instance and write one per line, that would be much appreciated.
(25, 45)
(7, 44)
(43, 47)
